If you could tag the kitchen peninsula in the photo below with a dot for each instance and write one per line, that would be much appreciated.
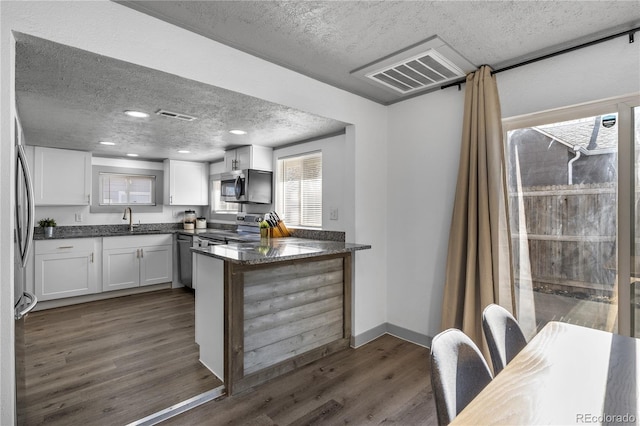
(267, 307)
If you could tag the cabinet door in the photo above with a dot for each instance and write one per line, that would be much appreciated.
(156, 265)
(120, 268)
(61, 177)
(187, 183)
(243, 158)
(261, 158)
(230, 160)
(59, 275)
(249, 157)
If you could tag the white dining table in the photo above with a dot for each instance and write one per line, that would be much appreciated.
(566, 375)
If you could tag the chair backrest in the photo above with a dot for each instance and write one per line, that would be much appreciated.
(458, 373)
(504, 336)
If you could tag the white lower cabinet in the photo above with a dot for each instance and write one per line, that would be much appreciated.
(66, 268)
(137, 260)
(121, 268)
(156, 265)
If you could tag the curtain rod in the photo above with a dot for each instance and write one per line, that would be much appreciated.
(630, 33)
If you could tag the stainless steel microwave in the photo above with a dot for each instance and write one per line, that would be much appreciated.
(246, 186)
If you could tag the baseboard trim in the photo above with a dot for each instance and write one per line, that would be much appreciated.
(368, 335)
(394, 330)
(409, 335)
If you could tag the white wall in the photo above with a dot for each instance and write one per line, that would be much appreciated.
(333, 175)
(424, 140)
(598, 72)
(110, 29)
(424, 144)
(334, 170)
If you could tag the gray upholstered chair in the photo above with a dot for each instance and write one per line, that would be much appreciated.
(458, 373)
(504, 336)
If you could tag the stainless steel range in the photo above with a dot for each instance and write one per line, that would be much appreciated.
(247, 230)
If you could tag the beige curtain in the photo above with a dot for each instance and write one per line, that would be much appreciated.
(478, 267)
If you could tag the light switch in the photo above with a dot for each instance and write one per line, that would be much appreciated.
(78, 217)
(333, 213)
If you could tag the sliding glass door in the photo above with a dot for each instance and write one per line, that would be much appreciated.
(564, 172)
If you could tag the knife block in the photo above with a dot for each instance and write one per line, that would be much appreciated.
(279, 231)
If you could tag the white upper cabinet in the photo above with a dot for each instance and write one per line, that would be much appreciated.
(186, 183)
(249, 157)
(61, 177)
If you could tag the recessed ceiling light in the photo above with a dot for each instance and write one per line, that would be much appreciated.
(107, 143)
(237, 132)
(132, 155)
(184, 151)
(136, 114)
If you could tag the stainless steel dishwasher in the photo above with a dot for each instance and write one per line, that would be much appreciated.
(185, 242)
(185, 259)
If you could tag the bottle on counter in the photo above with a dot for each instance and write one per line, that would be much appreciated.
(189, 221)
(201, 223)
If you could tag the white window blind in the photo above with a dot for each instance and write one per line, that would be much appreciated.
(299, 190)
(121, 189)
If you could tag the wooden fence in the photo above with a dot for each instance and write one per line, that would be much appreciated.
(571, 234)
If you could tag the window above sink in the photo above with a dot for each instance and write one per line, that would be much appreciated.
(115, 187)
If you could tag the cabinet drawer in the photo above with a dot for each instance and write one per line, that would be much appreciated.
(65, 245)
(137, 241)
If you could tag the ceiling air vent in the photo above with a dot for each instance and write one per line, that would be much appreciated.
(417, 73)
(428, 64)
(176, 115)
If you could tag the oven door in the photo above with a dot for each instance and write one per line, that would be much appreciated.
(232, 188)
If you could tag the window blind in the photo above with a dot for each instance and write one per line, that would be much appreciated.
(299, 190)
(120, 189)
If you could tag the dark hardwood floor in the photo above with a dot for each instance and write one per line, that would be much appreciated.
(114, 361)
(383, 382)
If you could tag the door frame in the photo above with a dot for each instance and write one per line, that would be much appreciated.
(624, 106)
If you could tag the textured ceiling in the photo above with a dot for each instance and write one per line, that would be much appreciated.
(70, 98)
(74, 99)
(327, 40)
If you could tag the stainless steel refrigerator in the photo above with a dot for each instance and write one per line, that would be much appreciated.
(23, 301)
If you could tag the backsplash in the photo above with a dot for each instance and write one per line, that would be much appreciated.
(314, 234)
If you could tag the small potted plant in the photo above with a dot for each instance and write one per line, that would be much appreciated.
(264, 229)
(47, 224)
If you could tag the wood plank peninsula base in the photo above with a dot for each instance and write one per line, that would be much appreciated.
(285, 304)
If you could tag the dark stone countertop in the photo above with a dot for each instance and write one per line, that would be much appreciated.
(302, 244)
(97, 231)
(276, 250)
(227, 231)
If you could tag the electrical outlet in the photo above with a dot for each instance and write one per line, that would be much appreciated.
(78, 217)
(333, 213)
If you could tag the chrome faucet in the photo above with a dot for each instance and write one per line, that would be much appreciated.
(124, 217)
